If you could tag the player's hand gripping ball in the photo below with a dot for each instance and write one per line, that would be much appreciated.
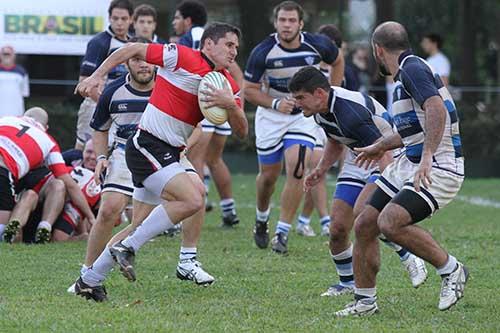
(214, 114)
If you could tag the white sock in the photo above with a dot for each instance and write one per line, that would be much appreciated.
(263, 216)
(325, 221)
(360, 293)
(156, 223)
(2, 228)
(343, 265)
(95, 275)
(44, 225)
(228, 207)
(283, 228)
(305, 220)
(449, 267)
(84, 269)
(187, 253)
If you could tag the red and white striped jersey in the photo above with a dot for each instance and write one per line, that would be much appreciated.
(173, 111)
(24, 145)
(91, 191)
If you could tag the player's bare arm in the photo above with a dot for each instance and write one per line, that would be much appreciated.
(97, 79)
(435, 118)
(77, 197)
(256, 96)
(331, 154)
(337, 70)
(371, 154)
(100, 141)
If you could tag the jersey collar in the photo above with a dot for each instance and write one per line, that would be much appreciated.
(112, 33)
(403, 55)
(210, 63)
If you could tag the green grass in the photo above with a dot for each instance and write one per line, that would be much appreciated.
(255, 289)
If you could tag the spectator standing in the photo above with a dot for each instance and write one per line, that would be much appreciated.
(14, 84)
(432, 44)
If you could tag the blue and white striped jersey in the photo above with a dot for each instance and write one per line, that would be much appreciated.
(98, 49)
(354, 118)
(119, 109)
(274, 65)
(192, 38)
(415, 83)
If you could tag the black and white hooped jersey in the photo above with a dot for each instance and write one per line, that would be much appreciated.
(119, 109)
(354, 118)
(274, 65)
(98, 49)
(416, 82)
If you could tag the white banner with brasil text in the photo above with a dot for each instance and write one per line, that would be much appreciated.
(51, 26)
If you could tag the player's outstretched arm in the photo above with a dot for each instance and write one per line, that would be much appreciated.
(95, 81)
(371, 154)
(332, 152)
(337, 70)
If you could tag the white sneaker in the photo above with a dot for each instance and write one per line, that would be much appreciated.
(359, 308)
(337, 290)
(71, 289)
(416, 269)
(305, 230)
(325, 230)
(452, 287)
(190, 269)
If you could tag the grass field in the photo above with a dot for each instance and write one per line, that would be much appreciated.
(256, 290)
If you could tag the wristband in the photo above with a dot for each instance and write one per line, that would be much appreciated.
(275, 104)
(101, 157)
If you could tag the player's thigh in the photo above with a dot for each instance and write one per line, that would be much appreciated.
(296, 160)
(216, 148)
(197, 153)
(364, 197)
(112, 204)
(341, 216)
(270, 172)
(59, 236)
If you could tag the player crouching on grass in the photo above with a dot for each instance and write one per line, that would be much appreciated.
(167, 190)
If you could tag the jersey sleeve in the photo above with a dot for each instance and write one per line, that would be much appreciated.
(359, 125)
(418, 81)
(256, 64)
(55, 161)
(101, 119)
(163, 55)
(71, 156)
(326, 48)
(94, 56)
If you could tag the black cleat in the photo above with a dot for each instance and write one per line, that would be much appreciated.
(209, 206)
(11, 230)
(261, 234)
(124, 257)
(97, 293)
(230, 220)
(42, 236)
(280, 243)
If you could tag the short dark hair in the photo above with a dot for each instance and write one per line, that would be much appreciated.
(195, 10)
(288, 6)
(122, 4)
(145, 10)
(435, 38)
(391, 36)
(331, 31)
(218, 30)
(308, 79)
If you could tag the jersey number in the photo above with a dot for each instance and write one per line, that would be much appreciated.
(22, 131)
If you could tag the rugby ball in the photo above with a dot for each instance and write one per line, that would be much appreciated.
(215, 114)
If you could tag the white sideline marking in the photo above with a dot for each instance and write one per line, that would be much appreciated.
(478, 201)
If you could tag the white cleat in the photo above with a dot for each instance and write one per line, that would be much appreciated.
(71, 289)
(359, 308)
(452, 287)
(416, 270)
(305, 230)
(190, 269)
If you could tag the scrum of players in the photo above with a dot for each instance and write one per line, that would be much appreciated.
(143, 145)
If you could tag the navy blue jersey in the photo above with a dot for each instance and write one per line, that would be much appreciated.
(72, 157)
(192, 38)
(415, 83)
(354, 118)
(274, 65)
(119, 109)
(98, 49)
